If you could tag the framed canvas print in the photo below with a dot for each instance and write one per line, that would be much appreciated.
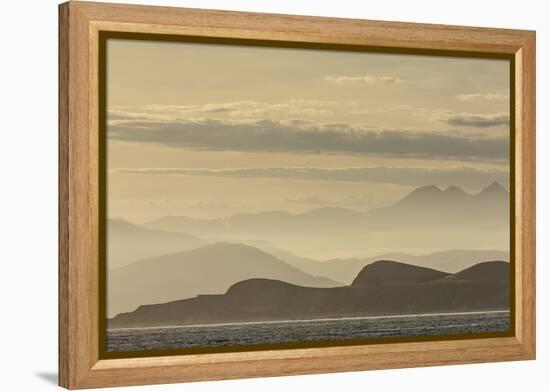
(248, 195)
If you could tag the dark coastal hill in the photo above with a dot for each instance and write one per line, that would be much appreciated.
(390, 272)
(450, 261)
(186, 274)
(414, 291)
(485, 271)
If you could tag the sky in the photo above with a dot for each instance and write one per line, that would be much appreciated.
(209, 131)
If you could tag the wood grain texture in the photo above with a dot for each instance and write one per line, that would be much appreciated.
(78, 306)
(63, 176)
(526, 188)
(80, 23)
(170, 20)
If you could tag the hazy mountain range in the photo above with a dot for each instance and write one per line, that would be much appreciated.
(426, 220)
(128, 242)
(150, 265)
(425, 207)
(209, 269)
(382, 288)
(215, 267)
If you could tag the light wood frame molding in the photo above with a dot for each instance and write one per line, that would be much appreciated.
(79, 25)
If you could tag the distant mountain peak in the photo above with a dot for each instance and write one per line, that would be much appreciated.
(494, 188)
(424, 192)
(429, 189)
(421, 194)
(454, 190)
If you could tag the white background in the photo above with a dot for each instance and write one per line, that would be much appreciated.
(28, 218)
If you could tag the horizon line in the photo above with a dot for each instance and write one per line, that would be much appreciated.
(309, 320)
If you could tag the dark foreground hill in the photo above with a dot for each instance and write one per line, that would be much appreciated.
(485, 271)
(450, 261)
(395, 272)
(376, 291)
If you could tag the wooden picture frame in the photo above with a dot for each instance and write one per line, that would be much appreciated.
(80, 296)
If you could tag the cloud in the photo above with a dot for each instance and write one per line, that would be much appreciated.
(301, 136)
(478, 120)
(366, 79)
(236, 109)
(486, 97)
(122, 116)
(405, 176)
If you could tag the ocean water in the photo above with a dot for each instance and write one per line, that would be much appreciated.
(245, 334)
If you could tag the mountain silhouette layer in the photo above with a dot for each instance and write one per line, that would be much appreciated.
(391, 272)
(485, 271)
(426, 219)
(128, 242)
(429, 206)
(186, 274)
(449, 261)
(425, 207)
(413, 291)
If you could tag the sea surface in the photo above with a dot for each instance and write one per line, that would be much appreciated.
(253, 333)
